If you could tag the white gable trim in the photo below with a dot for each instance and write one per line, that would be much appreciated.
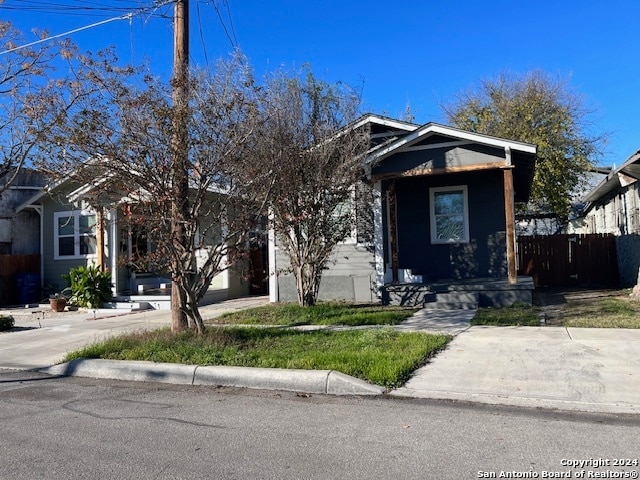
(463, 135)
(387, 122)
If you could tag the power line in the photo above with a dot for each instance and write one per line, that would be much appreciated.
(127, 16)
(204, 46)
(83, 8)
(123, 17)
(233, 40)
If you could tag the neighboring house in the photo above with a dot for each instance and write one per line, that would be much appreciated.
(548, 223)
(613, 207)
(19, 240)
(19, 231)
(77, 229)
(443, 216)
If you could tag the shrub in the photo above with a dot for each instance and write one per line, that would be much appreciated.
(89, 286)
(6, 322)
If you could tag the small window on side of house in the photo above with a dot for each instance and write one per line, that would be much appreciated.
(74, 235)
(449, 214)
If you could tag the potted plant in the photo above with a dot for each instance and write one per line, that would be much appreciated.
(58, 302)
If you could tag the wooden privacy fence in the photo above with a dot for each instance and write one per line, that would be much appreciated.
(569, 260)
(19, 279)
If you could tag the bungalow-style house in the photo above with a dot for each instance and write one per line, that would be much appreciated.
(80, 227)
(443, 217)
(613, 207)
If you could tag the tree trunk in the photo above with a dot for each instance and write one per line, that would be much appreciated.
(308, 284)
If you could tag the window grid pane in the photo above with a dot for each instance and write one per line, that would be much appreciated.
(88, 245)
(66, 226)
(66, 246)
(87, 224)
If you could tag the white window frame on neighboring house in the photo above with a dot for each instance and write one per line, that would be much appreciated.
(436, 237)
(72, 219)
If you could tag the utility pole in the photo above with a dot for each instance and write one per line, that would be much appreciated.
(180, 162)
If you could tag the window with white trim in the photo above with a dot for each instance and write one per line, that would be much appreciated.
(74, 234)
(449, 214)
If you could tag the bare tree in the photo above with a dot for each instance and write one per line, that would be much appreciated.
(313, 159)
(23, 74)
(118, 138)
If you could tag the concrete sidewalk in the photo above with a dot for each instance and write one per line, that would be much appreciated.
(585, 369)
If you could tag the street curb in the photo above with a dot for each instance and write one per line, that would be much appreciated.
(306, 381)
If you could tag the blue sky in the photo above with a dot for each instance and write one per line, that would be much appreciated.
(417, 53)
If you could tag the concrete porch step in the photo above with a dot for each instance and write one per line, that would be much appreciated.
(130, 306)
(451, 301)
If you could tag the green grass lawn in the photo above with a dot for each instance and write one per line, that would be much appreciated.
(329, 313)
(612, 310)
(520, 315)
(378, 355)
(608, 312)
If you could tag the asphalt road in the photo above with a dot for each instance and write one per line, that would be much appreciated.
(73, 428)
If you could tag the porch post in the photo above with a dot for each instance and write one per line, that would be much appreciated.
(510, 219)
(273, 267)
(378, 235)
(113, 243)
(100, 237)
(393, 232)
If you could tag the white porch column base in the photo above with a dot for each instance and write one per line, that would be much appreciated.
(273, 272)
(378, 238)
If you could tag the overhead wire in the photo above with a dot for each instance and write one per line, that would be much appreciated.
(46, 39)
(123, 10)
(204, 46)
(127, 16)
(83, 8)
(234, 44)
(233, 29)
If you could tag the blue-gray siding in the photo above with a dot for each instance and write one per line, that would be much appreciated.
(350, 276)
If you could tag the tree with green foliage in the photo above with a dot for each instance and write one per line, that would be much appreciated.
(539, 109)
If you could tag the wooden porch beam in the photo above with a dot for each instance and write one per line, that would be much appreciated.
(510, 220)
(419, 172)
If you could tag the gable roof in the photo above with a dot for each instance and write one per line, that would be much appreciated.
(622, 176)
(432, 129)
(382, 121)
(434, 149)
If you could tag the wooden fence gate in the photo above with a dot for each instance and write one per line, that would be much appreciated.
(569, 260)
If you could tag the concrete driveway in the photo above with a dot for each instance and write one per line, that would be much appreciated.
(586, 369)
